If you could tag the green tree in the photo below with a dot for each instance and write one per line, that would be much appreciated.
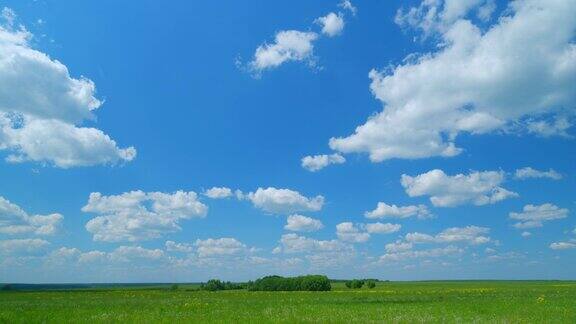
(213, 285)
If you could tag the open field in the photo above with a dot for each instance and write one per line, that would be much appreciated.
(400, 302)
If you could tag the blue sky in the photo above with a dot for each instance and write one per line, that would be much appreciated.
(117, 119)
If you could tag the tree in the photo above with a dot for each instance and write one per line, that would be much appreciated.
(213, 285)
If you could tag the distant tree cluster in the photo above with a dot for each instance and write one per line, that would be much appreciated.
(215, 285)
(301, 283)
(359, 283)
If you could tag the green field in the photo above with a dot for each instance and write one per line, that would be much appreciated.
(396, 302)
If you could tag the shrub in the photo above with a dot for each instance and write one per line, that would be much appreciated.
(349, 284)
(371, 284)
(302, 283)
(174, 287)
(357, 284)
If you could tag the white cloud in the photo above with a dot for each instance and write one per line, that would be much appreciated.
(384, 210)
(534, 216)
(518, 72)
(218, 247)
(299, 223)
(349, 232)
(218, 192)
(172, 246)
(289, 45)
(137, 215)
(332, 24)
(293, 243)
(318, 162)
(382, 228)
(528, 172)
(470, 234)
(526, 234)
(18, 246)
(347, 5)
(398, 246)
(485, 11)
(437, 16)
(41, 104)
(283, 201)
(360, 233)
(430, 253)
(14, 220)
(559, 126)
(478, 188)
(92, 256)
(135, 253)
(562, 245)
(63, 255)
(320, 253)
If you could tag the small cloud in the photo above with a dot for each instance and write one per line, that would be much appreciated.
(332, 24)
(318, 162)
(528, 173)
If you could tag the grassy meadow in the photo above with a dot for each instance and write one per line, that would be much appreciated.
(391, 302)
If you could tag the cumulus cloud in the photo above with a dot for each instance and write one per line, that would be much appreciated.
(299, 223)
(41, 106)
(347, 5)
(384, 210)
(437, 16)
(288, 45)
(478, 188)
(360, 233)
(515, 76)
(533, 216)
(218, 192)
(526, 234)
(283, 201)
(219, 247)
(471, 235)
(398, 246)
(14, 220)
(295, 45)
(382, 228)
(429, 253)
(562, 245)
(92, 256)
(294, 243)
(318, 162)
(135, 253)
(319, 253)
(61, 256)
(19, 246)
(528, 172)
(172, 246)
(349, 232)
(332, 24)
(137, 215)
